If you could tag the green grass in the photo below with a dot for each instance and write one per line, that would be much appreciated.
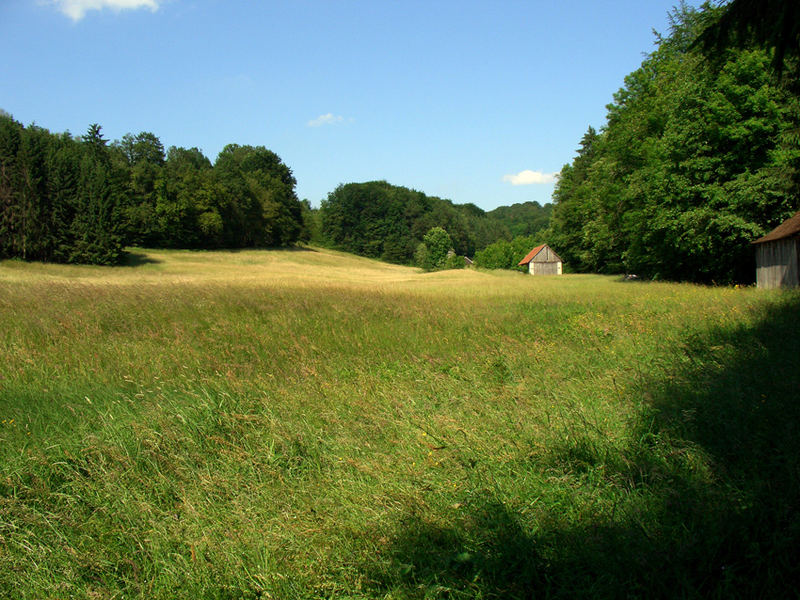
(306, 424)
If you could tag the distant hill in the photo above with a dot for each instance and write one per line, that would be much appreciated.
(381, 220)
(527, 218)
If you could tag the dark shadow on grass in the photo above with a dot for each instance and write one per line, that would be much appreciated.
(487, 554)
(134, 258)
(251, 248)
(738, 401)
(709, 493)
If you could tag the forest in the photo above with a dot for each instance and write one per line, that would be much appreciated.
(380, 220)
(82, 200)
(699, 156)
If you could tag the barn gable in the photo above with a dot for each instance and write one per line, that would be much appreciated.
(778, 255)
(542, 260)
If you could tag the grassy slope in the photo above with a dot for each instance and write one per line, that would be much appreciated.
(305, 424)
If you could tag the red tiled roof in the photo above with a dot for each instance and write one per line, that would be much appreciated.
(529, 257)
(788, 228)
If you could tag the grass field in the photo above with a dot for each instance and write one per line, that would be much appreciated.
(307, 424)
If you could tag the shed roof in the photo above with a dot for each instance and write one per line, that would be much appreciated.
(788, 228)
(530, 256)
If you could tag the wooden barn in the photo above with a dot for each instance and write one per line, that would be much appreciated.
(542, 261)
(778, 255)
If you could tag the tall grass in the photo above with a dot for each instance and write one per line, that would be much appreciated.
(306, 424)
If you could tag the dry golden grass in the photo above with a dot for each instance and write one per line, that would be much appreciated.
(305, 423)
(307, 267)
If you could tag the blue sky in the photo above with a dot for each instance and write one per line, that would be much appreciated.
(473, 101)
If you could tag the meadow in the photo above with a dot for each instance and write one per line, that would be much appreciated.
(309, 424)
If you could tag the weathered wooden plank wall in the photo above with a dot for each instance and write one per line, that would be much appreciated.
(546, 262)
(777, 264)
(545, 255)
(545, 268)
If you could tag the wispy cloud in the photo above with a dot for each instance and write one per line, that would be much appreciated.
(328, 119)
(528, 177)
(77, 9)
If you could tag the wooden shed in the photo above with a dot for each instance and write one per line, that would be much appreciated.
(777, 255)
(542, 261)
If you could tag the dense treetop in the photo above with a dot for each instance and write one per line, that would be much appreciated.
(524, 219)
(61, 198)
(381, 220)
(82, 199)
(771, 24)
(694, 163)
(68, 199)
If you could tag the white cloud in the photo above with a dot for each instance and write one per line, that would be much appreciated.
(328, 119)
(528, 177)
(77, 9)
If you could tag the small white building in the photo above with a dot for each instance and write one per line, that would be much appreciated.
(778, 255)
(542, 261)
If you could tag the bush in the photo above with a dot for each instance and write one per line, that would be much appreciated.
(432, 253)
(504, 254)
(454, 261)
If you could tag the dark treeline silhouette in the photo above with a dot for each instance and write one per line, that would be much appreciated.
(82, 200)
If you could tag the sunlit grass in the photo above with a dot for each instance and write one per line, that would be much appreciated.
(305, 423)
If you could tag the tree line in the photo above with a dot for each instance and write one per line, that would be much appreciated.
(697, 159)
(389, 222)
(699, 155)
(82, 199)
